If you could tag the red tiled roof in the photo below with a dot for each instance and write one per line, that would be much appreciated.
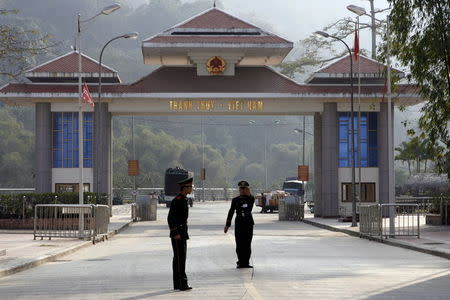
(68, 63)
(217, 39)
(215, 18)
(205, 28)
(246, 80)
(366, 65)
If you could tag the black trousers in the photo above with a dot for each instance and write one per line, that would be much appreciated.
(179, 248)
(243, 235)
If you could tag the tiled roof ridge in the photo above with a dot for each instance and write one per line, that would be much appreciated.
(180, 28)
(337, 60)
(33, 70)
(180, 25)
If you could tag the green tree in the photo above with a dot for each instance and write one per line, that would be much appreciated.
(19, 44)
(16, 153)
(420, 40)
(405, 154)
(315, 51)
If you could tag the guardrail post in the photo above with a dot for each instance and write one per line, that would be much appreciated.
(418, 223)
(380, 220)
(34, 222)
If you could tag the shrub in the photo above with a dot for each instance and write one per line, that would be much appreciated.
(21, 206)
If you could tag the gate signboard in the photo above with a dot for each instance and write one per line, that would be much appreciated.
(133, 167)
(303, 173)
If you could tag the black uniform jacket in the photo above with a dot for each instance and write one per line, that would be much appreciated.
(177, 218)
(243, 205)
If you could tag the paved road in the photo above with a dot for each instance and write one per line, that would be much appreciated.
(292, 261)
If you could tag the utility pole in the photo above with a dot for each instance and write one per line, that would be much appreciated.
(374, 30)
(203, 162)
(134, 157)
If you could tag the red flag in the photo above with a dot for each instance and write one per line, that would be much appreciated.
(87, 96)
(356, 46)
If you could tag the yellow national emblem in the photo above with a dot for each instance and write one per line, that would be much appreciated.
(216, 65)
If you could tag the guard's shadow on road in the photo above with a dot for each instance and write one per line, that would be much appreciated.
(150, 295)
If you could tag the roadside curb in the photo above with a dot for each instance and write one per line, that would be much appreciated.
(52, 257)
(400, 244)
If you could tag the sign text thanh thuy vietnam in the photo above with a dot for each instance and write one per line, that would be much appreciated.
(214, 105)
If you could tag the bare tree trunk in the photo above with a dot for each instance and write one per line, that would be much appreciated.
(409, 167)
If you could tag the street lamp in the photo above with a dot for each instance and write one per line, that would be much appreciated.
(391, 177)
(357, 10)
(297, 130)
(324, 34)
(132, 35)
(303, 132)
(276, 122)
(105, 11)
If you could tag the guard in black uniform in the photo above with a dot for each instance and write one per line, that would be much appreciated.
(243, 232)
(177, 220)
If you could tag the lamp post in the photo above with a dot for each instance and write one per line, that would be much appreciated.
(326, 35)
(203, 172)
(391, 177)
(106, 11)
(132, 35)
(265, 150)
(303, 132)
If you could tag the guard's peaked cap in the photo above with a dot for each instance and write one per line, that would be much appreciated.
(186, 181)
(243, 183)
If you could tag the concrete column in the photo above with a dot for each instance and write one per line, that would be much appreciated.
(102, 149)
(317, 164)
(330, 207)
(43, 144)
(383, 158)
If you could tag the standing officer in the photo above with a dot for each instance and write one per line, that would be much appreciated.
(243, 232)
(263, 203)
(177, 219)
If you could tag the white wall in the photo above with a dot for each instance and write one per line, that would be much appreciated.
(71, 175)
(69, 107)
(367, 175)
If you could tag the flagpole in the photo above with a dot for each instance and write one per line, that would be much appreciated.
(80, 133)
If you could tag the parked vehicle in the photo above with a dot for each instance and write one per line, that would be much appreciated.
(294, 187)
(272, 201)
(171, 187)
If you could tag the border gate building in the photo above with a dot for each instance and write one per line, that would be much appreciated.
(212, 64)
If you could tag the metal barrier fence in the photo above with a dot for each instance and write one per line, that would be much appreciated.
(390, 220)
(144, 210)
(425, 203)
(70, 221)
(211, 194)
(369, 219)
(404, 222)
(134, 212)
(291, 210)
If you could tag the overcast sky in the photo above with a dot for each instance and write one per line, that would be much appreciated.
(294, 19)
